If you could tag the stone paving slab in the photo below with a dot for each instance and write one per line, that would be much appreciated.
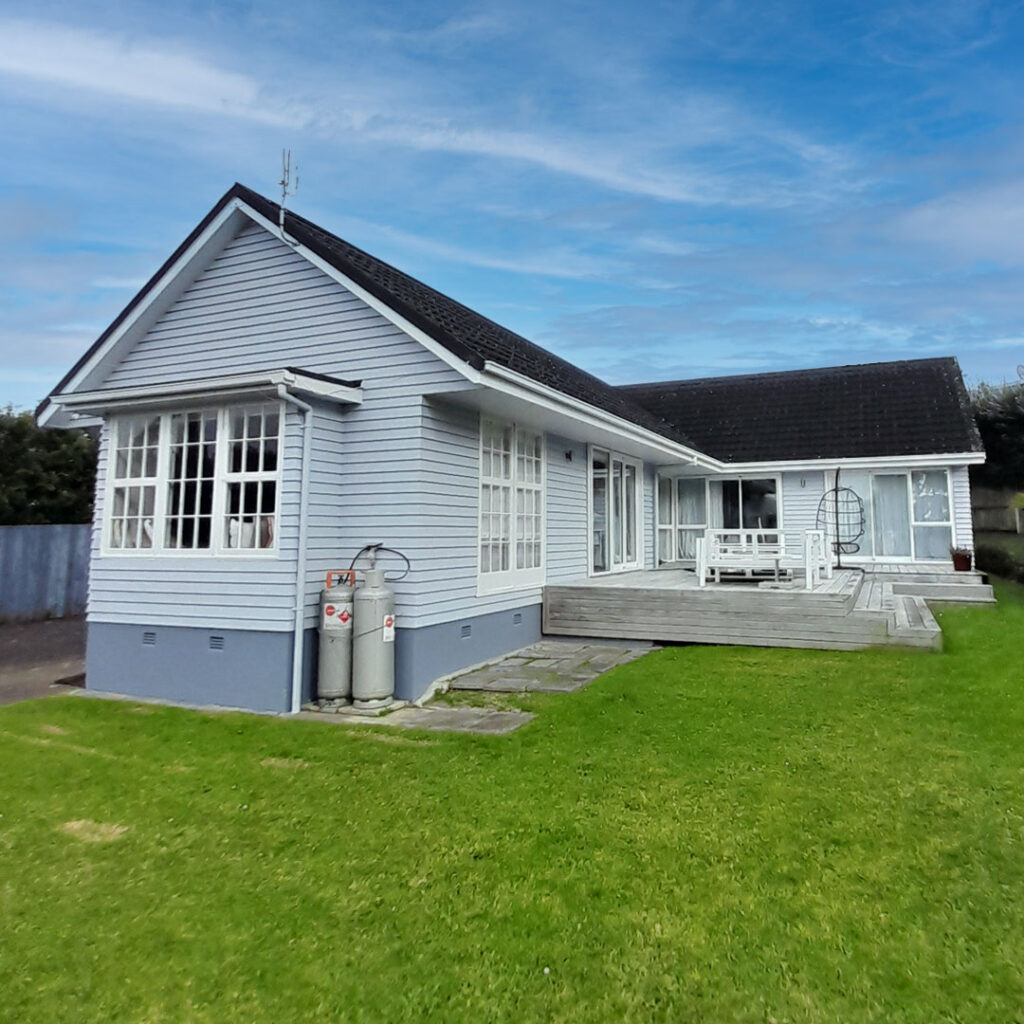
(550, 666)
(482, 721)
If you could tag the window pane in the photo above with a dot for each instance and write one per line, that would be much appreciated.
(730, 504)
(270, 455)
(687, 543)
(599, 499)
(692, 502)
(932, 542)
(759, 505)
(629, 501)
(931, 498)
(664, 501)
(891, 515)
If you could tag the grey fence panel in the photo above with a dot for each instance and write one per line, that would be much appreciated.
(44, 571)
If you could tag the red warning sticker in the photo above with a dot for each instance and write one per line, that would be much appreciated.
(344, 616)
(329, 610)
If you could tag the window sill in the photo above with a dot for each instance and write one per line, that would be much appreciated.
(504, 583)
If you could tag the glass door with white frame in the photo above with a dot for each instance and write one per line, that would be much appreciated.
(615, 511)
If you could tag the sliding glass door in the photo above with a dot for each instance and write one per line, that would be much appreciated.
(615, 500)
(907, 515)
(687, 506)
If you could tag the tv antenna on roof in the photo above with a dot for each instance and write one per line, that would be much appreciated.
(288, 188)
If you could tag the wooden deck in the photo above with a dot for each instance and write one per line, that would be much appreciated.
(852, 610)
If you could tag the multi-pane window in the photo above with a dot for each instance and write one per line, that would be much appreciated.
(496, 463)
(529, 500)
(511, 502)
(251, 477)
(136, 447)
(204, 480)
(190, 491)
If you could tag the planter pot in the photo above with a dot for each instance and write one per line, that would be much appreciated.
(962, 561)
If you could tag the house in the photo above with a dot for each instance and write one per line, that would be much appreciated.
(275, 398)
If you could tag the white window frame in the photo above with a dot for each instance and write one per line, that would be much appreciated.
(914, 523)
(641, 533)
(501, 580)
(908, 474)
(218, 542)
(676, 526)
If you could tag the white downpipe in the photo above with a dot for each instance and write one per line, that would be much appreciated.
(299, 635)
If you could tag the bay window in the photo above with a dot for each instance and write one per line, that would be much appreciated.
(197, 481)
(511, 506)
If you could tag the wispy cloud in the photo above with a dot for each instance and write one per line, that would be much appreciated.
(141, 72)
(563, 262)
(982, 223)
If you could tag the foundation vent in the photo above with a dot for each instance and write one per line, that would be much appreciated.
(517, 619)
(216, 643)
(149, 638)
(467, 631)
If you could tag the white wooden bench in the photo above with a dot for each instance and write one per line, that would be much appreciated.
(748, 552)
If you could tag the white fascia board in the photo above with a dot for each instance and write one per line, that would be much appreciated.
(507, 381)
(432, 346)
(806, 465)
(141, 310)
(212, 387)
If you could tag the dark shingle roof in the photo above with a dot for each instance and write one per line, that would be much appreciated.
(910, 407)
(465, 333)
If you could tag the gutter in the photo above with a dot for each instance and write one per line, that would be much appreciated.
(298, 640)
(502, 379)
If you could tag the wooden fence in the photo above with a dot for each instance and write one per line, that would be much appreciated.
(44, 571)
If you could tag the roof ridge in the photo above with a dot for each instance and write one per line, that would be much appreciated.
(787, 373)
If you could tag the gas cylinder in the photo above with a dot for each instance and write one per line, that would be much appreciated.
(334, 678)
(373, 647)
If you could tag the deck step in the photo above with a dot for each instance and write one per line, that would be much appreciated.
(968, 593)
(912, 623)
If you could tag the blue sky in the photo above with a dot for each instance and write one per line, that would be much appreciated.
(652, 190)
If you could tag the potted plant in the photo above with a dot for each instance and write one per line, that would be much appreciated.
(961, 559)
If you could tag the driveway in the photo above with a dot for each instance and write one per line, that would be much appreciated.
(34, 655)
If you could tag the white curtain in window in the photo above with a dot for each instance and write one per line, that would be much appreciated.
(891, 515)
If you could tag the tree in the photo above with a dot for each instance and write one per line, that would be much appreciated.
(46, 476)
(999, 412)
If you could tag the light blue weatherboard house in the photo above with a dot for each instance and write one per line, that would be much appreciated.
(275, 398)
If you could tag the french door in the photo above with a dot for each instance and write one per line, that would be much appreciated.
(615, 503)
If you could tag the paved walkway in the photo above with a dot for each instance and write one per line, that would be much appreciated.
(551, 666)
(34, 655)
(485, 721)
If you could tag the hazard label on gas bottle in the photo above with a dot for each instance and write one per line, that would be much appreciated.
(388, 629)
(344, 615)
(329, 610)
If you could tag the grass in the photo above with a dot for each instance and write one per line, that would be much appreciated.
(704, 835)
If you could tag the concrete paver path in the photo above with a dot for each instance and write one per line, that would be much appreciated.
(551, 666)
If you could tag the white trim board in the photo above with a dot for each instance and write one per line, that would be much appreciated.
(237, 385)
(831, 465)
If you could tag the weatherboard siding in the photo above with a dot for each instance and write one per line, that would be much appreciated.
(963, 521)
(801, 494)
(259, 305)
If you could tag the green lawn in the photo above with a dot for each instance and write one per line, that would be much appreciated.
(705, 835)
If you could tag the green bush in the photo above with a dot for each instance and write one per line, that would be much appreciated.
(999, 561)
